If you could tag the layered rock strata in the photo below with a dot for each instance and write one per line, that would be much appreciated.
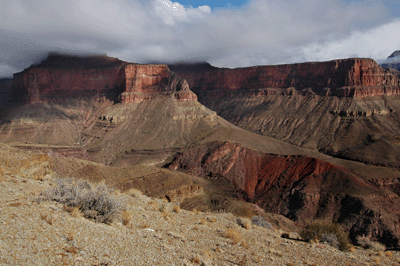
(342, 78)
(298, 187)
(61, 76)
(346, 108)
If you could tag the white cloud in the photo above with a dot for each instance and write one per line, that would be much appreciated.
(173, 12)
(6, 70)
(261, 32)
(378, 42)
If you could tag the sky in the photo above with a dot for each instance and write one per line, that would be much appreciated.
(225, 33)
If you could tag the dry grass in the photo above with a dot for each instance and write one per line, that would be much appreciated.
(162, 208)
(212, 220)
(144, 225)
(153, 205)
(206, 253)
(244, 244)
(176, 208)
(196, 259)
(134, 193)
(241, 209)
(126, 217)
(70, 236)
(48, 218)
(75, 212)
(367, 243)
(244, 222)
(72, 250)
(388, 254)
(94, 201)
(331, 233)
(233, 235)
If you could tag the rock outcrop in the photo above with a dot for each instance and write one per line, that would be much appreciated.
(298, 187)
(145, 82)
(64, 76)
(342, 78)
(346, 108)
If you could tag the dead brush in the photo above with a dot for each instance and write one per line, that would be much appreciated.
(48, 218)
(241, 209)
(244, 222)
(176, 208)
(126, 217)
(367, 243)
(94, 201)
(322, 230)
(233, 235)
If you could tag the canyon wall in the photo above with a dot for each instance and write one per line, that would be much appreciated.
(343, 78)
(61, 76)
(298, 187)
(145, 82)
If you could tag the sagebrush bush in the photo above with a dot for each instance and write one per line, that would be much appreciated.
(322, 230)
(260, 221)
(95, 201)
(366, 242)
(331, 239)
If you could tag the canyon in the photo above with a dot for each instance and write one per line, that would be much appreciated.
(345, 108)
(121, 114)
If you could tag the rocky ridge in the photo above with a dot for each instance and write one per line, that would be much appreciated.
(346, 108)
(72, 76)
(341, 78)
(298, 187)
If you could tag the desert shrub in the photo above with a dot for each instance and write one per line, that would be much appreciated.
(94, 201)
(315, 231)
(388, 254)
(244, 222)
(241, 209)
(366, 242)
(233, 235)
(176, 208)
(134, 193)
(260, 221)
(331, 239)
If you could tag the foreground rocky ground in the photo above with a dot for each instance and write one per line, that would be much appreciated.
(151, 231)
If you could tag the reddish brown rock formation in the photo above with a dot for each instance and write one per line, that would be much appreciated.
(144, 82)
(343, 78)
(62, 76)
(298, 187)
(72, 152)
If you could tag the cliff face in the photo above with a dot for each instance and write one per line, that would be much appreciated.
(144, 82)
(298, 187)
(346, 108)
(343, 78)
(60, 76)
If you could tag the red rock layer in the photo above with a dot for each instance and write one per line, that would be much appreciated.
(345, 78)
(144, 82)
(298, 187)
(250, 170)
(71, 152)
(59, 77)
